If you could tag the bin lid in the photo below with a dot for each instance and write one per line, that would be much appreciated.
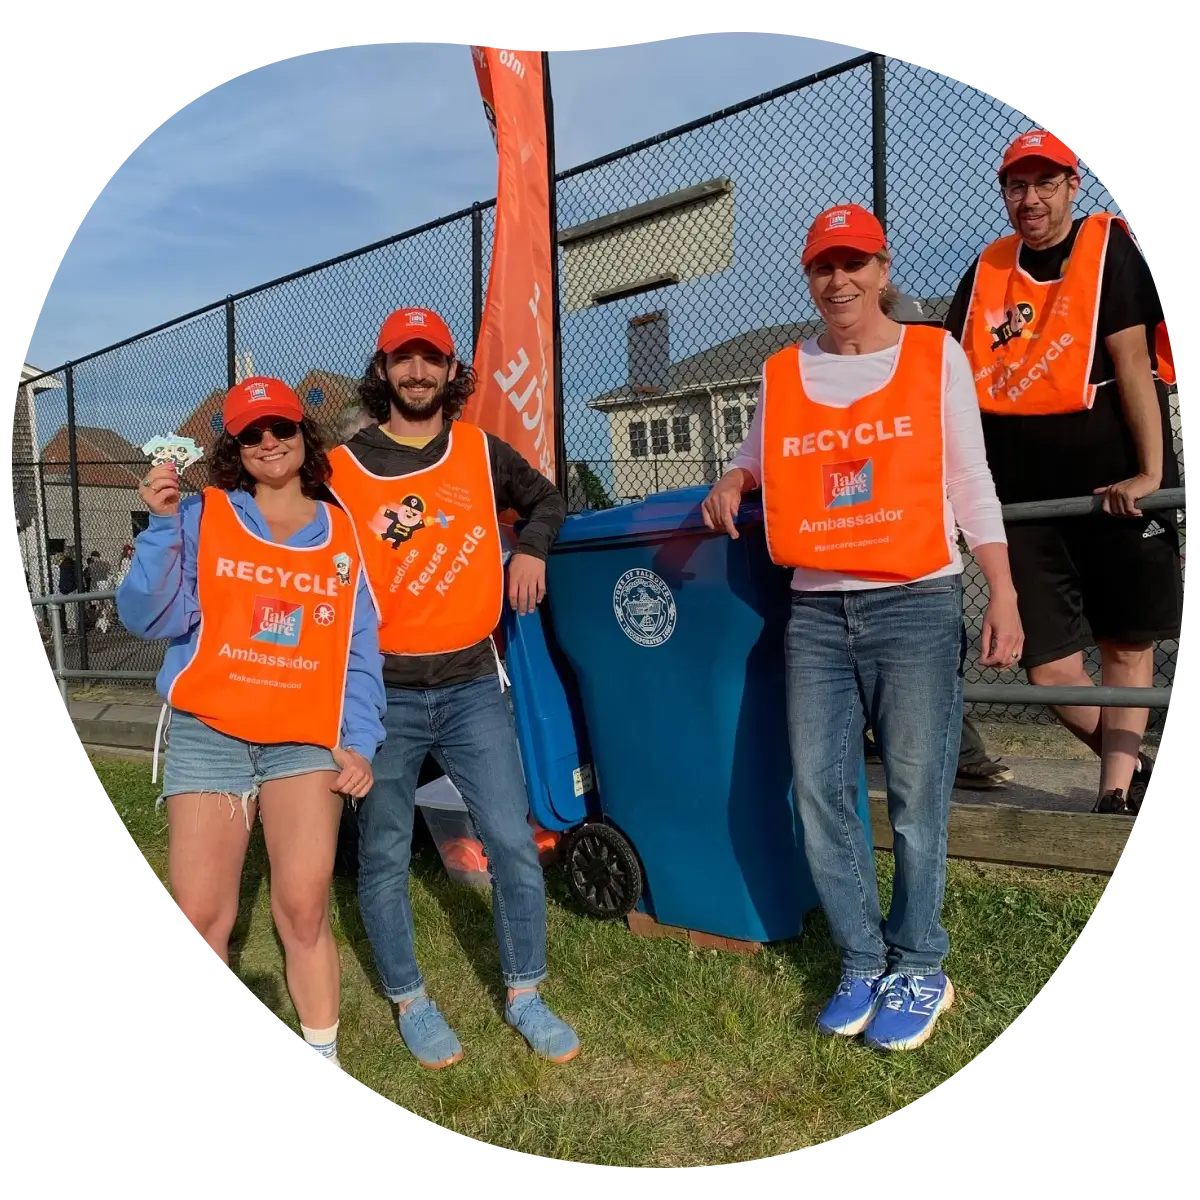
(665, 512)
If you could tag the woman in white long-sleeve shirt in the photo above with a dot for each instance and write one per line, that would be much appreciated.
(867, 444)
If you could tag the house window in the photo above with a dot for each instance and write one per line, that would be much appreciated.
(733, 424)
(639, 445)
(681, 433)
(750, 414)
(139, 522)
(658, 436)
(217, 421)
(316, 396)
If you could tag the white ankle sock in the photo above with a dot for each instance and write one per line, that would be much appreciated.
(323, 1041)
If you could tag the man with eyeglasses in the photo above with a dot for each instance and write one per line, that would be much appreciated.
(1063, 328)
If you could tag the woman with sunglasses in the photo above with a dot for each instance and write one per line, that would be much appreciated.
(273, 678)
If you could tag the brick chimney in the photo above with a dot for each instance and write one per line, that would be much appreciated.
(649, 353)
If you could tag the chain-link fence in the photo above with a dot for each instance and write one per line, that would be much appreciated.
(679, 275)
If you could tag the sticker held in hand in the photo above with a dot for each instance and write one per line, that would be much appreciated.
(182, 451)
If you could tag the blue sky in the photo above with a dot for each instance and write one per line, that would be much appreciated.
(314, 156)
(317, 156)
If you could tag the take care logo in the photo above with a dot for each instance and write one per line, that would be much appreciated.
(847, 483)
(276, 621)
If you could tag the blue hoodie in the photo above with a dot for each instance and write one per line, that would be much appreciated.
(157, 599)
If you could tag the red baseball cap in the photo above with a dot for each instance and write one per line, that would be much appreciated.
(1037, 143)
(257, 397)
(415, 325)
(846, 225)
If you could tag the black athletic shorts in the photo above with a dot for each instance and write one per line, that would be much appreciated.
(1084, 578)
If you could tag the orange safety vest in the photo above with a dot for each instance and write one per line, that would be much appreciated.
(1031, 345)
(275, 625)
(430, 543)
(859, 490)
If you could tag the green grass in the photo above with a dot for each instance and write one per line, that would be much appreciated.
(690, 1057)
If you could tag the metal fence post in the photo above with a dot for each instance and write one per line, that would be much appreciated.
(230, 344)
(560, 437)
(476, 274)
(76, 524)
(60, 661)
(879, 138)
(47, 564)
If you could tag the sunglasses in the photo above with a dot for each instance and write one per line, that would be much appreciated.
(281, 431)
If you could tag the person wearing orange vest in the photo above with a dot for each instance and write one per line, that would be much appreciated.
(866, 442)
(1063, 328)
(273, 677)
(423, 489)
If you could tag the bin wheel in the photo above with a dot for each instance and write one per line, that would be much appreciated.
(603, 871)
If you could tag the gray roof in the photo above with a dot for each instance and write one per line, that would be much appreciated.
(742, 357)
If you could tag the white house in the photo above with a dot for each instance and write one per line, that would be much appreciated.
(677, 424)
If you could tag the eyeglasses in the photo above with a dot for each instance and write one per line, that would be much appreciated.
(281, 431)
(1045, 188)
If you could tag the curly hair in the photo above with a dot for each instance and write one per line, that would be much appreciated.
(375, 393)
(225, 468)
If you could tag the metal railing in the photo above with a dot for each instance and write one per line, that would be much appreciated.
(657, 386)
(62, 673)
(1165, 499)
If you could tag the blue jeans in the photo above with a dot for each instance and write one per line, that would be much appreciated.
(469, 730)
(202, 759)
(892, 656)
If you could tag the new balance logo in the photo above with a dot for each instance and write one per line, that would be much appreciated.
(925, 1002)
(1153, 530)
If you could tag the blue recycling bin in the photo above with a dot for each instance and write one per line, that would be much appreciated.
(551, 731)
(674, 640)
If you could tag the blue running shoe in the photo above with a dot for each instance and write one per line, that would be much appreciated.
(910, 1007)
(852, 1006)
(427, 1035)
(550, 1036)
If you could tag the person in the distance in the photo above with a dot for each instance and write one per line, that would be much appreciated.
(866, 441)
(273, 677)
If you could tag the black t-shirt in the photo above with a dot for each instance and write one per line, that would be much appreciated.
(1072, 454)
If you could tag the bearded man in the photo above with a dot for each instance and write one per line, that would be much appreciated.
(439, 592)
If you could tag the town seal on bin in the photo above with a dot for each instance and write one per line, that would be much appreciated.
(644, 607)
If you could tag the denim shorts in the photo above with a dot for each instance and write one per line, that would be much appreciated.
(201, 759)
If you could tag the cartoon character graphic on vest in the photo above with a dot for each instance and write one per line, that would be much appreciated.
(1013, 326)
(341, 564)
(397, 523)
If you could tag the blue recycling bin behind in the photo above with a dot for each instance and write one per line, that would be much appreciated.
(675, 639)
(551, 732)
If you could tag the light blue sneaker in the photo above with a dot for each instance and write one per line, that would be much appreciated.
(852, 1006)
(550, 1036)
(427, 1035)
(910, 1007)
